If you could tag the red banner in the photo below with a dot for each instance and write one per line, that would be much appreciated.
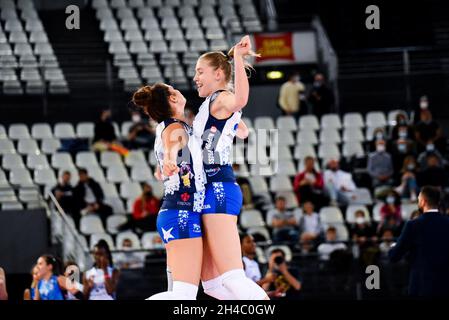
(274, 47)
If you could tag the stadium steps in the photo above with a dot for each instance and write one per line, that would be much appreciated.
(82, 53)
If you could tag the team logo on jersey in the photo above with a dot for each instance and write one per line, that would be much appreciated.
(213, 129)
(185, 197)
(212, 172)
(196, 228)
(236, 126)
(186, 174)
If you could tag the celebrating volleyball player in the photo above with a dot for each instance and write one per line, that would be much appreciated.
(179, 158)
(216, 124)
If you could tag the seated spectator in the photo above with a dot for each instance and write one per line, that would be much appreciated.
(29, 293)
(50, 284)
(157, 242)
(286, 283)
(408, 189)
(100, 282)
(309, 227)
(378, 135)
(89, 197)
(390, 213)
(338, 183)
(402, 142)
(309, 185)
(250, 263)
(283, 222)
(364, 236)
(429, 132)
(402, 129)
(380, 165)
(128, 259)
(387, 240)
(63, 192)
(430, 150)
(72, 273)
(140, 134)
(325, 249)
(3, 291)
(434, 175)
(104, 132)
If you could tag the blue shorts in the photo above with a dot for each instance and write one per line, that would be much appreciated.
(173, 224)
(223, 197)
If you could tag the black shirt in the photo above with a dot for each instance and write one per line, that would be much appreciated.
(104, 130)
(427, 131)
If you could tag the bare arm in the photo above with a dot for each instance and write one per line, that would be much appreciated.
(174, 139)
(242, 130)
(3, 292)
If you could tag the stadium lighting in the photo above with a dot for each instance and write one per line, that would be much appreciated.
(275, 75)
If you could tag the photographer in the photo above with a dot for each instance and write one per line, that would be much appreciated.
(285, 283)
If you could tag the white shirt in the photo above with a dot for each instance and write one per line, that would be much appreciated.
(325, 249)
(339, 179)
(99, 291)
(312, 223)
(89, 197)
(252, 269)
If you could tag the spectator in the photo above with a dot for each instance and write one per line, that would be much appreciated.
(390, 213)
(429, 132)
(364, 236)
(430, 150)
(378, 134)
(321, 97)
(63, 192)
(380, 165)
(289, 95)
(434, 175)
(283, 222)
(100, 282)
(402, 144)
(309, 227)
(250, 263)
(157, 242)
(140, 134)
(408, 189)
(309, 185)
(104, 132)
(29, 294)
(89, 197)
(243, 182)
(402, 129)
(331, 245)
(50, 284)
(387, 241)
(3, 291)
(145, 209)
(72, 273)
(339, 184)
(286, 283)
(128, 259)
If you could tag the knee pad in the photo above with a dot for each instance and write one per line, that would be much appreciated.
(181, 291)
(217, 290)
(241, 286)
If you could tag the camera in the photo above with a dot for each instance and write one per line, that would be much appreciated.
(279, 260)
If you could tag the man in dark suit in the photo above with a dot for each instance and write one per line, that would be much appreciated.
(426, 240)
(89, 196)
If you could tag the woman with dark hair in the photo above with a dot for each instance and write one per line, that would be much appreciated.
(49, 283)
(390, 213)
(100, 282)
(180, 166)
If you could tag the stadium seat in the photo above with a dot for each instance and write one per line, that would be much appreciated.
(128, 235)
(18, 131)
(114, 221)
(350, 213)
(45, 177)
(130, 190)
(307, 137)
(351, 134)
(109, 189)
(329, 135)
(85, 130)
(353, 149)
(27, 146)
(86, 159)
(110, 158)
(284, 167)
(158, 188)
(251, 218)
(376, 211)
(331, 215)
(141, 173)
(64, 131)
(285, 248)
(280, 183)
(286, 123)
(94, 238)
(41, 131)
(147, 240)
(117, 174)
(37, 161)
(331, 121)
(362, 196)
(309, 122)
(96, 173)
(407, 210)
(116, 203)
(62, 160)
(375, 119)
(353, 120)
(290, 199)
(259, 231)
(21, 177)
(258, 185)
(304, 150)
(328, 151)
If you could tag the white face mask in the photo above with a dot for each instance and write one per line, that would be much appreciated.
(380, 148)
(360, 220)
(379, 135)
(136, 118)
(402, 147)
(390, 200)
(403, 134)
(430, 147)
(424, 105)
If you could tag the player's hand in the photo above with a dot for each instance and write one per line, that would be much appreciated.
(170, 168)
(243, 47)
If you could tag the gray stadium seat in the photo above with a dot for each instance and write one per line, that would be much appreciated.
(94, 238)
(251, 218)
(20, 177)
(331, 215)
(28, 146)
(214, 33)
(375, 119)
(158, 46)
(37, 161)
(45, 177)
(85, 130)
(279, 183)
(110, 158)
(91, 224)
(130, 190)
(18, 131)
(117, 174)
(351, 210)
(50, 146)
(329, 135)
(353, 119)
(115, 221)
(141, 173)
(147, 240)
(12, 161)
(198, 45)
(86, 159)
(62, 160)
(64, 131)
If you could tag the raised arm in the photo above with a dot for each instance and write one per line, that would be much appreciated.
(174, 138)
(242, 130)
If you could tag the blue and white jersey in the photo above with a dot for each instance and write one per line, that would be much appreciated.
(179, 188)
(217, 136)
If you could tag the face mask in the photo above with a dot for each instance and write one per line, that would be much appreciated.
(360, 220)
(390, 200)
(380, 148)
(379, 136)
(127, 248)
(136, 118)
(430, 147)
(296, 79)
(411, 167)
(402, 134)
(334, 169)
(402, 147)
(402, 122)
(317, 84)
(424, 105)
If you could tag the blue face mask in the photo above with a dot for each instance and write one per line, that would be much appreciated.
(402, 134)
(402, 147)
(411, 167)
(390, 200)
(430, 147)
